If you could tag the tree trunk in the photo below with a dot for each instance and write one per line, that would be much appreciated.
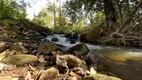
(110, 15)
(60, 13)
(54, 13)
(119, 7)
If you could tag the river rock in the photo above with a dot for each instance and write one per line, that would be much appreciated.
(47, 47)
(72, 61)
(75, 75)
(88, 78)
(19, 59)
(49, 74)
(55, 39)
(79, 71)
(61, 64)
(66, 61)
(91, 36)
(73, 78)
(18, 48)
(78, 50)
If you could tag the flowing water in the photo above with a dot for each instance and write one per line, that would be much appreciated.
(126, 63)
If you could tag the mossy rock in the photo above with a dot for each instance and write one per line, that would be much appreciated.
(18, 48)
(47, 47)
(78, 50)
(49, 74)
(61, 64)
(92, 35)
(19, 59)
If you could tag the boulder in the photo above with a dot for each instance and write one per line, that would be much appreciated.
(79, 71)
(78, 50)
(75, 75)
(73, 78)
(91, 36)
(72, 61)
(47, 47)
(88, 78)
(61, 64)
(55, 39)
(19, 59)
(3, 46)
(49, 74)
(66, 61)
(18, 48)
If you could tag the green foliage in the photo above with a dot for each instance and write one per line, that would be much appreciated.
(6, 22)
(97, 19)
(20, 15)
(9, 15)
(118, 11)
(44, 18)
(69, 29)
(6, 10)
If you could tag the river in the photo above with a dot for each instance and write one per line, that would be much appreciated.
(124, 62)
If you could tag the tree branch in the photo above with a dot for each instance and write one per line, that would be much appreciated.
(131, 16)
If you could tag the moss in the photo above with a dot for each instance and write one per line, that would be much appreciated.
(18, 48)
(19, 59)
(47, 47)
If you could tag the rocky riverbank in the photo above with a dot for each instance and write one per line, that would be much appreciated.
(46, 61)
(25, 54)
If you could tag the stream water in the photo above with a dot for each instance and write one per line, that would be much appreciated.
(126, 63)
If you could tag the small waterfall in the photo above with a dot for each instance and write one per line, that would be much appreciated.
(121, 60)
(65, 41)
